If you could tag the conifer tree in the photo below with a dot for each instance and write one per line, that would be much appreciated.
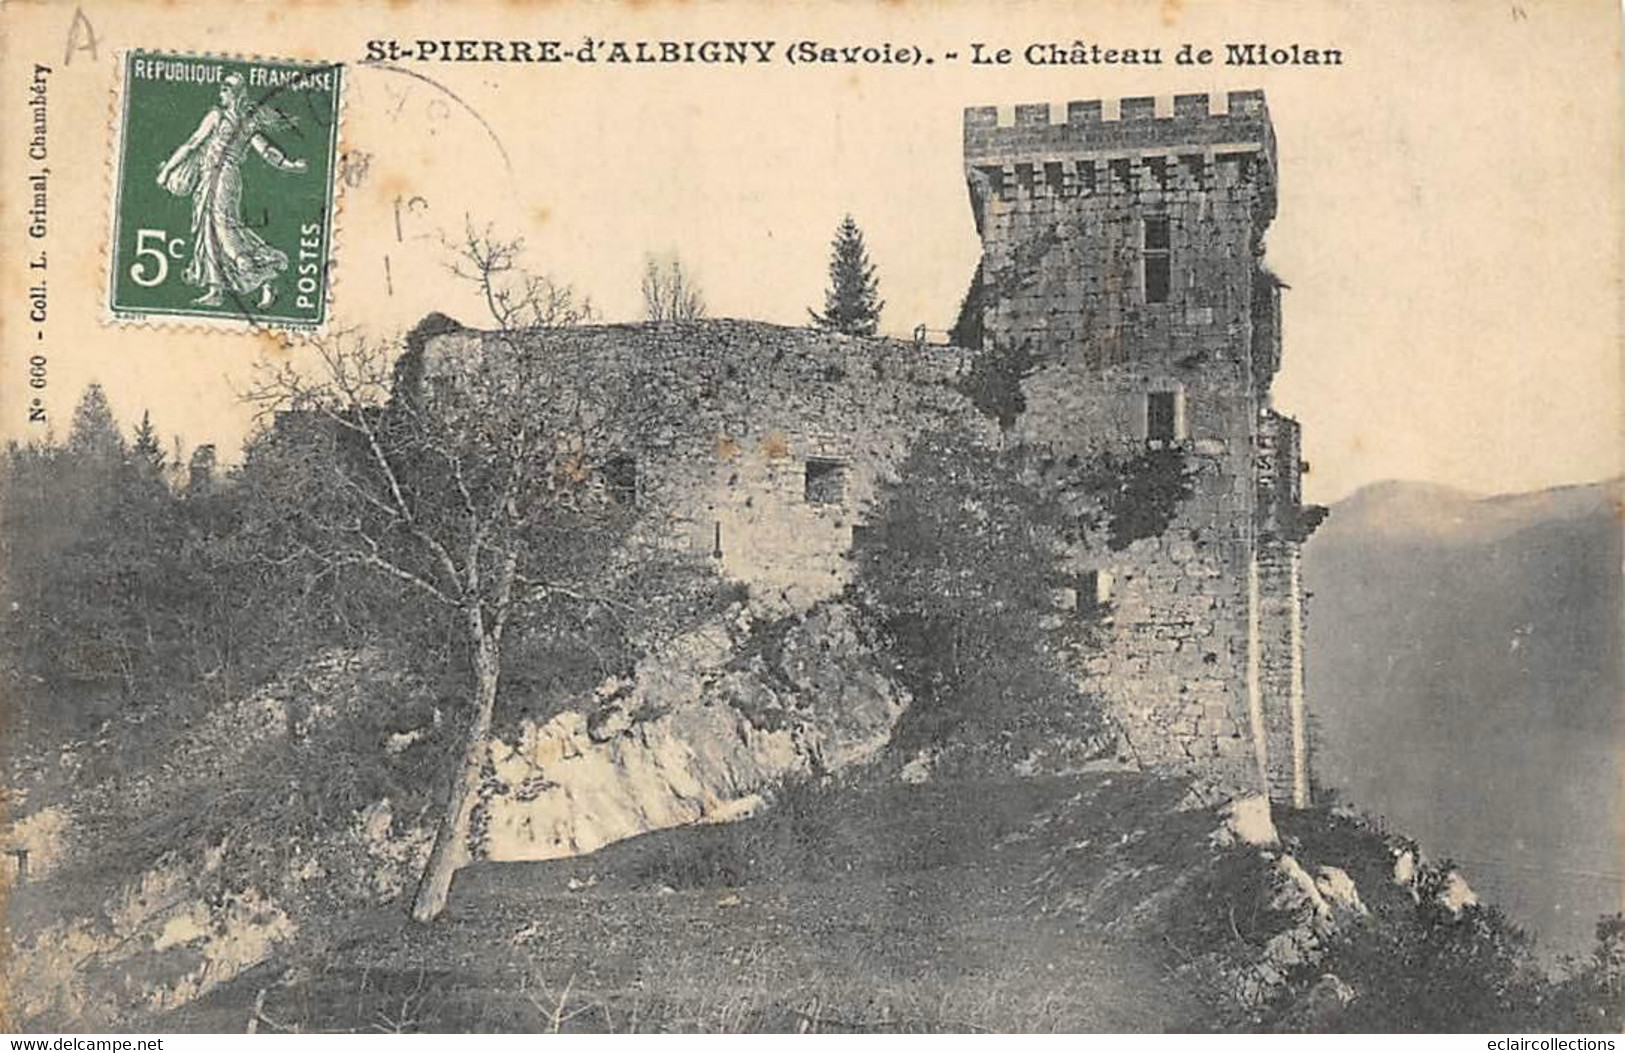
(94, 434)
(852, 303)
(146, 451)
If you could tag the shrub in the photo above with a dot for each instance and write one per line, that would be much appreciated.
(960, 568)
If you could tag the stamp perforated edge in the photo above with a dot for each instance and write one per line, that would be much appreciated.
(216, 323)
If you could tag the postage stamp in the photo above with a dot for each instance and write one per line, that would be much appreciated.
(223, 191)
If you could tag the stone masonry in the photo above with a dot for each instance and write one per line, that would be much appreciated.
(1123, 249)
(759, 446)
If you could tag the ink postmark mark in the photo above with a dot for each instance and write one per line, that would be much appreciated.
(223, 197)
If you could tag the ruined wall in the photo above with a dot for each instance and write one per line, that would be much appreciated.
(1283, 525)
(1122, 250)
(1281, 670)
(758, 446)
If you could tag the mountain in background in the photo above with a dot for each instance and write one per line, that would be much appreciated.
(1464, 669)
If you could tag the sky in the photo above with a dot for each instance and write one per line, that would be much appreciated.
(1449, 222)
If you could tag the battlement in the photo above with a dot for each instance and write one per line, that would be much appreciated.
(1235, 123)
(1122, 252)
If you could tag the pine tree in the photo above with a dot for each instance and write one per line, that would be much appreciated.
(852, 303)
(146, 451)
(94, 434)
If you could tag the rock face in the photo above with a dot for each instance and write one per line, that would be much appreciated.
(1246, 821)
(85, 954)
(1337, 889)
(702, 725)
(1319, 906)
(159, 943)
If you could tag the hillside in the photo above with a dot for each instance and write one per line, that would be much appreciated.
(883, 898)
(941, 909)
(1465, 671)
(1080, 903)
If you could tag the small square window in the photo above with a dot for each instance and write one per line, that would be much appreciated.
(1161, 416)
(1087, 594)
(825, 482)
(621, 479)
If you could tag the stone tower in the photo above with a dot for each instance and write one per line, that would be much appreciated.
(1123, 249)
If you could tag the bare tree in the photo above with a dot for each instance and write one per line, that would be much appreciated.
(515, 297)
(670, 293)
(476, 491)
(472, 482)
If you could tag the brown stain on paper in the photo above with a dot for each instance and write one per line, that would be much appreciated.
(273, 343)
(776, 446)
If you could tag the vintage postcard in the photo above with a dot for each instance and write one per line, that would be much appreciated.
(939, 516)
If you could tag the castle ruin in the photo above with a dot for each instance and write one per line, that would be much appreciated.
(1123, 256)
(1124, 252)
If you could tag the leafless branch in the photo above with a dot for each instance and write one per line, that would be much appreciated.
(670, 293)
(515, 297)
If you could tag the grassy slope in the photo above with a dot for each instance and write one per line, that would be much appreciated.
(971, 906)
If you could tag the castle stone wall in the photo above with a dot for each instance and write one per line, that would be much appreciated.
(725, 419)
(1122, 250)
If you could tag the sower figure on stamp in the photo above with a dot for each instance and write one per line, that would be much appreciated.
(226, 254)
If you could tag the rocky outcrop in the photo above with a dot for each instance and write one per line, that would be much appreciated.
(1318, 905)
(1322, 907)
(1247, 821)
(700, 727)
(188, 913)
(158, 942)
(185, 926)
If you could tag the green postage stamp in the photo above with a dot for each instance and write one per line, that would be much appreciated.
(223, 200)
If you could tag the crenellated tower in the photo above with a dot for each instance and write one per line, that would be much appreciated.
(1123, 249)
